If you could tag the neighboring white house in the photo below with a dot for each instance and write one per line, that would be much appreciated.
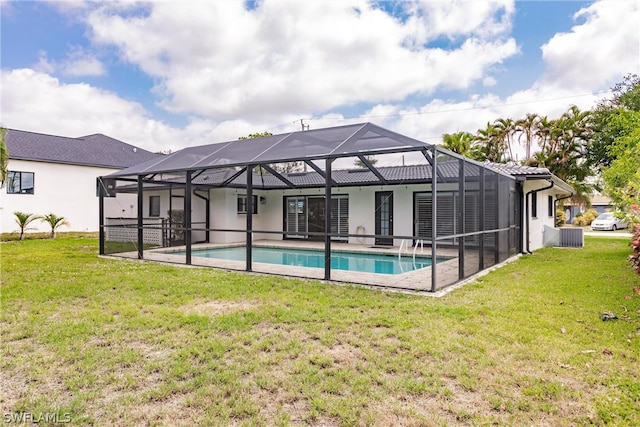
(56, 174)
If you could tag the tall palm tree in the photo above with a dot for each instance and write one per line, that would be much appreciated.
(527, 128)
(545, 133)
(506, 129)
(4, 156)
(23, 220)
(54, 222)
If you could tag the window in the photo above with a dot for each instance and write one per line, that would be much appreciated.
(20, 182)
(534, 205)
(550, 206)
(242, 204)
(154, 205)
(305, 214)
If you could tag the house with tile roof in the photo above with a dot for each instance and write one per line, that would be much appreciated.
(238, 193)
(58, 174)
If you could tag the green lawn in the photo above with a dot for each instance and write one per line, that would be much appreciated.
(111, 342)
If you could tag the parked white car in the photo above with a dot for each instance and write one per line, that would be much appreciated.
(607, 221)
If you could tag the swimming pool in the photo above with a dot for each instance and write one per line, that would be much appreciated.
(350, 261)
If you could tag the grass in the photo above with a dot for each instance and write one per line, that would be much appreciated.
(123, 342)
(15, 236)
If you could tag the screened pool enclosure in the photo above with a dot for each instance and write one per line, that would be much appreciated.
(351, 189)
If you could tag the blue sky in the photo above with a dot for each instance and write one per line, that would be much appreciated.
(165, 75)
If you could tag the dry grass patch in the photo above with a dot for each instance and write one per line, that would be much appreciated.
(217, 308)
(129, 343)
(345, 354)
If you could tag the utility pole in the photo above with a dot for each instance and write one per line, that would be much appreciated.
(303, 125)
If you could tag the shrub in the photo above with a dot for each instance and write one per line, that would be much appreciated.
(23, 220)
(583, 219)
(579, 221)
(590, 215)
(635, 247)
(54, 222)
(561, 218)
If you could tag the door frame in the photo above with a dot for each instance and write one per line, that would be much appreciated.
(383, 198)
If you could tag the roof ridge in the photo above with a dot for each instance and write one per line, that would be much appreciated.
(43, 134)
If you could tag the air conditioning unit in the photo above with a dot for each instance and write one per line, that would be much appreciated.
(571, 237)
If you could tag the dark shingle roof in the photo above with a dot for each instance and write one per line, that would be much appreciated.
(518, 170)
(447, 172)
(336, 142)
(91, 150)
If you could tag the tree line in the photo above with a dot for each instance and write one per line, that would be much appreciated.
(592, 150)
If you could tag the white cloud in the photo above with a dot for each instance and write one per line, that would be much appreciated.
(78, 109)
(287, 57)
(581, 65)
(601, 49)
(489, 81)
(78, 63)
(432, 19)
(82, 63)
(44, 65)
(239, 71)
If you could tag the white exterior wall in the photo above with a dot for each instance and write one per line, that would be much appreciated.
(65, 190)
(198, 208)
(361, 215)
(361, 211)
(542, 218)
(224, 215)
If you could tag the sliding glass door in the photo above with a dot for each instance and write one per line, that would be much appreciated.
(305, 217)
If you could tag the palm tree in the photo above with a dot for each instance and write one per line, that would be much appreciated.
(527, 128)
(4, 157)
(54, 222)
(459, 142)
(491, 144)
(23, 220)
(506, 128)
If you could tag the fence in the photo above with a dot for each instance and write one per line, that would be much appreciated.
(126, 230)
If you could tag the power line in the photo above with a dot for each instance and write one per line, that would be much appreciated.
(305, 126)
(453, 110)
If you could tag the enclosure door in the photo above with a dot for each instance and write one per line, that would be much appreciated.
(384, 217)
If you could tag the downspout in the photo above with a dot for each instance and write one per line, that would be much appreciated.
(555, 207)
(526, 198)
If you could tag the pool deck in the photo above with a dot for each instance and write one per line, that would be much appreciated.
(415, 281)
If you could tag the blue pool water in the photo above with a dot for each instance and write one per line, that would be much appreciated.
(350, 261)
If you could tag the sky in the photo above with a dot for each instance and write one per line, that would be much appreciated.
(168, 74)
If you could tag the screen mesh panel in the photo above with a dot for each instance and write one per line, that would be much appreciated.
(477, 208)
